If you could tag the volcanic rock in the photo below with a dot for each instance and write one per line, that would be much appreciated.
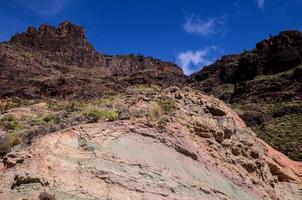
(264, 86)
(133, 159)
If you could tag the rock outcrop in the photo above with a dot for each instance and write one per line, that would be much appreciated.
(277, 54)
(53, 61)
(265, 86)
(67, 44)
(196, 155)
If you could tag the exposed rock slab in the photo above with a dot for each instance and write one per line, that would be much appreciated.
(132, 159)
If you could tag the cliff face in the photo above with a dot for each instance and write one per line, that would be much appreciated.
(59, 62)
(265, 86)
(272, 56)
(68, 45)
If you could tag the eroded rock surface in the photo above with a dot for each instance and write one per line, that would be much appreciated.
(264, 85)
(197, 155)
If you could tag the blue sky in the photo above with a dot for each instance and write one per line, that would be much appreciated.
(192, 33)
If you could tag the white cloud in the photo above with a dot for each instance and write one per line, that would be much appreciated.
(203, 27)
(192, 61)
(260, 3)
(45, 8)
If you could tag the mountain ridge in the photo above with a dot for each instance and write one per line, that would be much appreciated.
(54, 56)
(51, 61)
(68, 43)
(136, 127)
(265, 86)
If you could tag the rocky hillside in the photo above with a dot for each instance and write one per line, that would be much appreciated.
(265, 87)
(78, 124)
(53, 62)
(161, 144)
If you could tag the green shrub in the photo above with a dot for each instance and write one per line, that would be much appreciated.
(7, 142)
(9, 104)
(163, 121)
(49, 118)
(9, 122)
(53, 106)
(93, 115)
(110, 115)
(138, 112)
(52, 118)
(155, 113)
(72, 107)
(124, 114)
(144, 89)
(107, 100)
(167, 104)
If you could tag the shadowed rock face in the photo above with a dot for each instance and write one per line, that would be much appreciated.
(68, 45)
(59, 62)
(274, 55)
(265, 86)
(243, 75)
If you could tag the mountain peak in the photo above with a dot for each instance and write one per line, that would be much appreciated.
(65, 30)
(66, 42)
(285, 38)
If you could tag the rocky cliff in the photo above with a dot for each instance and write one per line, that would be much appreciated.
(53, 61)
(68, 45)
(265, 87)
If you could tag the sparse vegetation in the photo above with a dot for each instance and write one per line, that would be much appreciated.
(279, 124)
(163, 121)
(155, 113)
(72, 107)
(48, 118)
(167, 104)
(92, 115)
(8, 141)
(107, 100)
(9, 122)
(67, 107)
(144, 89)
(53, 106)
(224, 90)
(8, 103)
(109, 115)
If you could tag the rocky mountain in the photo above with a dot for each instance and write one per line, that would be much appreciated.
(265, 87)
(53, 61)
(78, 124)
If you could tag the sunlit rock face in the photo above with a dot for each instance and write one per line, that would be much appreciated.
(205, 151)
